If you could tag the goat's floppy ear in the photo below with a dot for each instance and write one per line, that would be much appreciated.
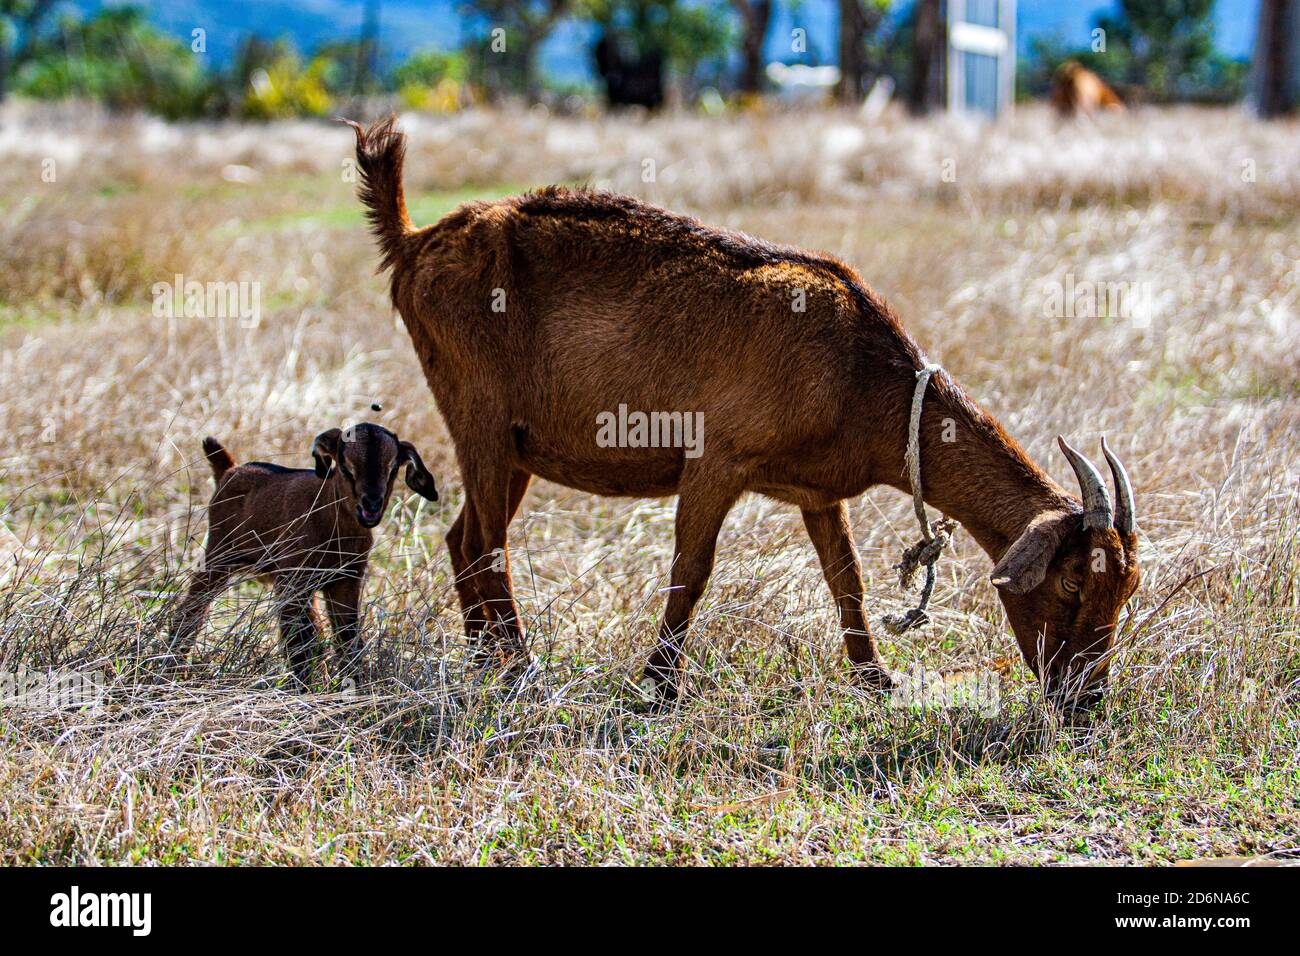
(325, 449)
(1025, 564)
(417, 476)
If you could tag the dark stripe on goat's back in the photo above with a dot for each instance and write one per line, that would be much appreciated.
(742, 250)
(558, 202)
(272, 467)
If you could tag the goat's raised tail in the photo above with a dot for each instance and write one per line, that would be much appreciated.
(220, 459)
(381, 150)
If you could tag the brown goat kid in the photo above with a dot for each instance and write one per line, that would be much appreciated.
(303, 530)
(536, 317)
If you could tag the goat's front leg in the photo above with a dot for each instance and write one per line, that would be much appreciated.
(300, 631)
(702, 506)
(832, 536)
(343, 601)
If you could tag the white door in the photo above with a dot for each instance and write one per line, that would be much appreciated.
(981, 56)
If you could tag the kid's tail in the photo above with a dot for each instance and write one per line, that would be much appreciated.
(381, 150)
(218, 457)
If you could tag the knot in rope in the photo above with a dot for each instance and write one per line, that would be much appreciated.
(934, 538)
(924, 553)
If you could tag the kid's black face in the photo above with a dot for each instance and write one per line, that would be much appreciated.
(368, 458)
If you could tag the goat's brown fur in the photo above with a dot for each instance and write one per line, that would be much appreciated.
(609, 301)
(302, 530)
(1076, 89)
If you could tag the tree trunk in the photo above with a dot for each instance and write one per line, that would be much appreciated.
(632, 78)
(1275, 86)
(530, 75)
(853, 28)
(757, 14)
(366, 47)
(927, 48)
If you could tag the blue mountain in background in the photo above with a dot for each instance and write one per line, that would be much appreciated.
(408, 25)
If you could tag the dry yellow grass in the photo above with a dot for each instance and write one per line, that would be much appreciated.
(774, 757)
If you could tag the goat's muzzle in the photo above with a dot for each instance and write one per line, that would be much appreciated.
(370, 514)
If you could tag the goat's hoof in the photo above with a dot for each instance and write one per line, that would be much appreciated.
(165, 664)
(653, 696)
(518, 668)
(166, 668)
(659, 687)
(873, 677)
(506, 667)
(350, 677)
(486, 654)
(295, 684)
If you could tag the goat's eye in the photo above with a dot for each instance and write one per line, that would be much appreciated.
(1069, 585)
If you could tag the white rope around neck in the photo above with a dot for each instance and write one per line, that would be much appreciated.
(933, 538)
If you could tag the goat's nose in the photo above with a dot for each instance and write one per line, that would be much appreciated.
(372, 503)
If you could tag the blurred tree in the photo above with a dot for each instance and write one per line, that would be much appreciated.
(927, 37)
(429, 68)
(432, 80)
(341, 61)
(20, 23)
(509, 34)
(269, 81)
(118, 58)
(1275, 83)
(641, 39)
(1166, 45)
(633, 76)
(853, 26)
(859, 22)
(755, 15)
(367, 48)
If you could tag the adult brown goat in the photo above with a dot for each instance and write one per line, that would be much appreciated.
(1076, 90)
(535, 317)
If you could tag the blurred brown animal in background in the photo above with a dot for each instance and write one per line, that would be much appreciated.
(1077, 90)
(534, 317)
(302, 530)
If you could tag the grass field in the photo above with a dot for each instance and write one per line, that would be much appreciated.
(1193, 372)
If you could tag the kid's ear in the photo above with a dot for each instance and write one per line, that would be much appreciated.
(325, 449)
(1025, 564)
(418, 478)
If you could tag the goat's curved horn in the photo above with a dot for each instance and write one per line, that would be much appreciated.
(1097, 512)
(1125, 511)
